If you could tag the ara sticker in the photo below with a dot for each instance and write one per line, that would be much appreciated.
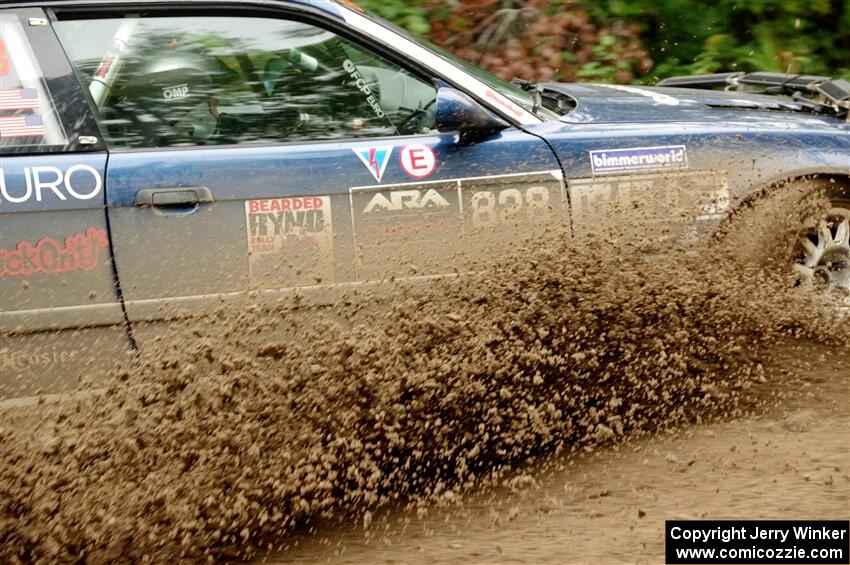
(375, 159)
(613, 161)
(418, 160)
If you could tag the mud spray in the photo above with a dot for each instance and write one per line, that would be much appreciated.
(242, 427)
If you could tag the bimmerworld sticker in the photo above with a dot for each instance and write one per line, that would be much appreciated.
(613, 161)
(375, 159)
(290, 240)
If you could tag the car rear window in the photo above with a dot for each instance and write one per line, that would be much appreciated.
(28, 117)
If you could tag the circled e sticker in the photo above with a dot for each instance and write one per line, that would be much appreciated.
(417, 160)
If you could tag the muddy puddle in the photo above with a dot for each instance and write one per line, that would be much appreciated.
(238, 433)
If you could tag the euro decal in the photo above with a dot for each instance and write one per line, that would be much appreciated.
(361, 85)
(375, 159)
(48, 256)
(615, 161)
(290, 240)
(78, 182)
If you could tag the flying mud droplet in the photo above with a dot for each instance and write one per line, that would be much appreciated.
(238, 428)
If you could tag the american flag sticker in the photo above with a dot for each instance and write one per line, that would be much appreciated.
(18, 98)
(21, 126)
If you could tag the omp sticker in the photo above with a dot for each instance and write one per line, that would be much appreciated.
(613, 161)
(175, 92)
(417, 160)
(79, 182)
(658, 98)
(18, 98)
(290, 240)
(657, 198)
(375, 159)
(29, 125)
(79, 252)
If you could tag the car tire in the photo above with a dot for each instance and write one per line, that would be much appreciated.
(822, 257)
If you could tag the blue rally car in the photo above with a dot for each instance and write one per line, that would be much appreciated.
(158, 158)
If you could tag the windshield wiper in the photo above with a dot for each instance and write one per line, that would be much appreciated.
(532, 88)
(560, 100)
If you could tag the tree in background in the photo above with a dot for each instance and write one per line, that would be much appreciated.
(633, 40)
(700, 36)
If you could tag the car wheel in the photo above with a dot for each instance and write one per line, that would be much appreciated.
(823, 253)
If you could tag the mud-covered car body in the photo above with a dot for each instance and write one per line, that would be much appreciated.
(111, 226)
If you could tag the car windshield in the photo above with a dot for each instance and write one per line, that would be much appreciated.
(503, 87)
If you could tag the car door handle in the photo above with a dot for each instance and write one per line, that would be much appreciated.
(180, 196)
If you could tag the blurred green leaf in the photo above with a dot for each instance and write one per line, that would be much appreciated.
(681, 36)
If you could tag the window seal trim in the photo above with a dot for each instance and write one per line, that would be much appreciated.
(272, 144)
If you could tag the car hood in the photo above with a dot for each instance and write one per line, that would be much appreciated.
(602, 103)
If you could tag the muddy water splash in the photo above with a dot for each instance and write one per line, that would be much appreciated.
(244, 425)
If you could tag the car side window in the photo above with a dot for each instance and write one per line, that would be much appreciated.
(180, 81)
(28, 117)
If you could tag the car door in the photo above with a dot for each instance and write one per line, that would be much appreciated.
(60, 315)
(270, 151)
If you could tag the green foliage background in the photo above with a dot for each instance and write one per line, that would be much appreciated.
(679, 36)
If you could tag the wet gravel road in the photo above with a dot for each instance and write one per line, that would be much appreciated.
(789, 458)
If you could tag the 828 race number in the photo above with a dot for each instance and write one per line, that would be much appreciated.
(489, 207)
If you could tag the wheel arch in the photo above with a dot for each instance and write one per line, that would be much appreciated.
(840, 179)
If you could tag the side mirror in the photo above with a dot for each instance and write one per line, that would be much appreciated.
(458, 113)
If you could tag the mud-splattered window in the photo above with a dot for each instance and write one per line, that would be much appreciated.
(178, 81)
(27, 115)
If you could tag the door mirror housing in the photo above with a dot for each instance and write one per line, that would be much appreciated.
(458, 113)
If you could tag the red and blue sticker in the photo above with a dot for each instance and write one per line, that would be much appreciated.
(417, 160)
(376, 159)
